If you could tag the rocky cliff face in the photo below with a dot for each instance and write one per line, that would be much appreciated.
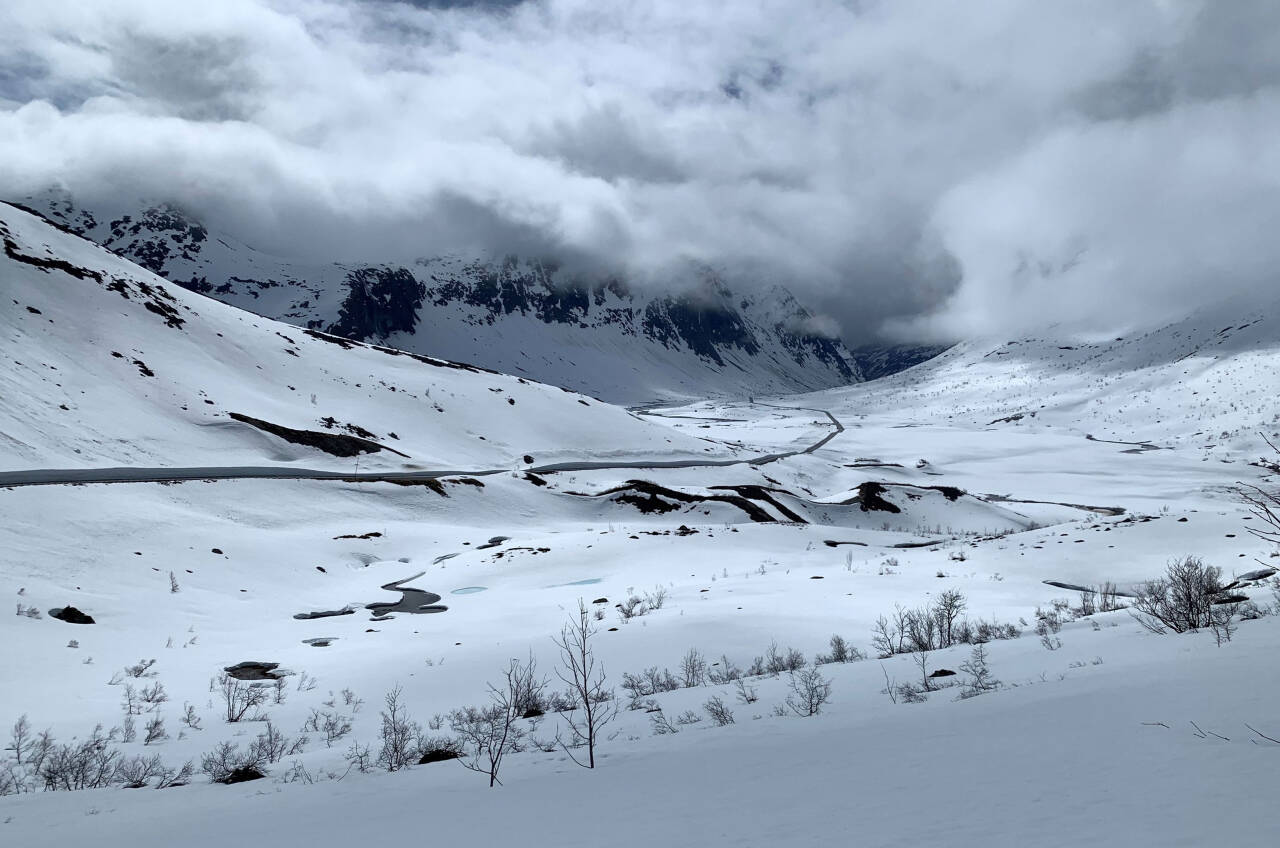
(511, 314)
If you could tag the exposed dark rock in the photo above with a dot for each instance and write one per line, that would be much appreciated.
(380, 301)
(254, 670)
(70, 615)
(871, 498)
(438, 755)
(243, 774)
(332, 443)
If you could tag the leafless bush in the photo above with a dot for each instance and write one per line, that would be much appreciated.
(240, 699)
(809, 691)
(155, 730)
(746, 694)
(189, 717)
(775, 662)
(1109, 598)
(656, 599)
(130, 730)
(359, 757)
(979, 673)
(841, 652)
(173, 584)
(938, 625)
(632, 607)
(136, 772)
(687, 718)
(528, 689)
(141, 669)
(719, 711)
(331, 724)
(28, 612)
(662, 726)
(649, 682)
(724, 671)
(693, 669)
(1180, 601)
(272, 745)
(226, 763)
(88, 764)
(153, 695)
(1223, 621)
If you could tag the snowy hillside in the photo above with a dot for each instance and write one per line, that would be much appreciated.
(749, 531)
(513, 315)
(110, 365)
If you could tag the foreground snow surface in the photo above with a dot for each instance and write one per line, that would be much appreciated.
(1090, 743)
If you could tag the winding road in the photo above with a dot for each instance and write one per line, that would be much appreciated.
(65, 476)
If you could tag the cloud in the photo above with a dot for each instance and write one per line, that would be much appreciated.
(924, 168)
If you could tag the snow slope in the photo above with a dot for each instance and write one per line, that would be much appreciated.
(110, 365)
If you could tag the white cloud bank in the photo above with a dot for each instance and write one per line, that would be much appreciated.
(943, 168)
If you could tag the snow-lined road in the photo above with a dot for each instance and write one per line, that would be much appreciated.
(66, 476)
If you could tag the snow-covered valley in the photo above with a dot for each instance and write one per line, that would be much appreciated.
(744, 529)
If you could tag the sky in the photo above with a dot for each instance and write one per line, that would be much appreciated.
(913, 169)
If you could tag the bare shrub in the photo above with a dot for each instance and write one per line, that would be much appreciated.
(841, 652)
(329, 723)
(272, 745)
(240, 699)
(141, 669)
(979, 673)
(1109, 598)
(724, 671)
(662, 726)
(776, 662)
(809, 691)
(746, 694)
(153, 695)
(1180, 601)
(88, 764)
(693, 669)
(189, 717)
(155, 730)
(718, 711)
(632, 607)
(226, 763)
(656, 599)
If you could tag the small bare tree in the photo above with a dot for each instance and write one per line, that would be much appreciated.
(239, 698)
(585, 677)
(809, 691)
(397, 733)
(693, 669)
(491, 732)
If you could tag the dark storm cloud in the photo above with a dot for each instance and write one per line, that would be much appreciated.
(920, 167)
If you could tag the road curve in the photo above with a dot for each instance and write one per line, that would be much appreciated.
(65, 476)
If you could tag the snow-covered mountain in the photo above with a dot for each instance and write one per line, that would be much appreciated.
(1209, 380)
(107, 364)
(516, 315)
